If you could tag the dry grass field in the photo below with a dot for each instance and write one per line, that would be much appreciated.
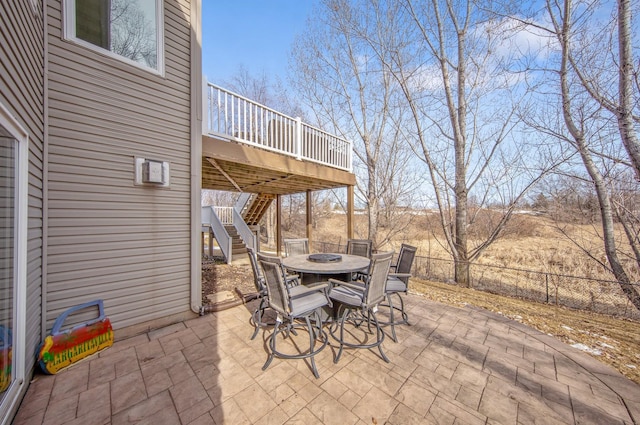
(535, 258)
(528, 242)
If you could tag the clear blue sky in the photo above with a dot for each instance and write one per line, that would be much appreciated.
(257, 34)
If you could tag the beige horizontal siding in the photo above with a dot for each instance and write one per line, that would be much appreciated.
(132, 271)
(174, 91)
(155, 286)
(109, 239)
(22, 92)
(118, 140)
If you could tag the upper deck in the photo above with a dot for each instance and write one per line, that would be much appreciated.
(249, 147)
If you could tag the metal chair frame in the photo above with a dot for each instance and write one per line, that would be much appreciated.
(261, 291)
(361, 247)
(397, 283)
(291, 308)
(296, 246)
(359, 304)
(292, 282)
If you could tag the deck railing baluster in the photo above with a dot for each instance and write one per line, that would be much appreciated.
(236, 117)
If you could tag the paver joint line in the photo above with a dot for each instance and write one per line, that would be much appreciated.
(452, 364)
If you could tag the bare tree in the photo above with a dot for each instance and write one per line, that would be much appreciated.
(217, 198)
(452, 61)
(582, 111)
(346, 86)
(620, 101)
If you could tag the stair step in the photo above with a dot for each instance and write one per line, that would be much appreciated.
(257, 207)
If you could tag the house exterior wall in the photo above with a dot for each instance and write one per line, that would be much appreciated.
(108, 238)
(22, 93)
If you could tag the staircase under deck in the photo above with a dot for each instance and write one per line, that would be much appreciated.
(257, 208)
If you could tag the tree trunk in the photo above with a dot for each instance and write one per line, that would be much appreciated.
(606, 212)
(606, 215)
(373, 208)
(373, 203)
(625, 81)
(461, 189)
(461, 258)
(270, 219)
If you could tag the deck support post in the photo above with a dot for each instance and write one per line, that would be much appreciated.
(278, 225)
(350, 209)
(309, 219)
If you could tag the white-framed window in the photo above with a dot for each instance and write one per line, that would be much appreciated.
(14, 164)
(130, 30)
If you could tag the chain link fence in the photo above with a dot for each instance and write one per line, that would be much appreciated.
(583, 293)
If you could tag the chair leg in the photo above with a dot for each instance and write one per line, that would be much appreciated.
(347, 317)
(405, 317)
(392, 319)
(345, 313)
(272, 344)
(286, 327)
(312, 333)
(392, 314)
(380, 337)
(258, 314)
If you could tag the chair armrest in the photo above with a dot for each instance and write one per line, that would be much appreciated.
(399, 275)
(352, 285)
(292, 280)
(317, 285)
(301, 290)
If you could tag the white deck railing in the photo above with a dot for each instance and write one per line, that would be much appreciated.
(212, 220)
(225, 214)
(237, 118)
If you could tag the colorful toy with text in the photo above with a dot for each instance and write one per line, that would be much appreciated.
(62, 348)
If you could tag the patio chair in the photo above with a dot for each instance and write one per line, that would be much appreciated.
(398, 282)
(292, 281)
(261, 291)
(290, 310)
(361, 247)
(296, 246)
(359, 305)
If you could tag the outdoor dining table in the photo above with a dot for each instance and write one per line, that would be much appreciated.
(314, 268)
(322, 267)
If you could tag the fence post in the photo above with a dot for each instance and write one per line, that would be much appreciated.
(546, 281)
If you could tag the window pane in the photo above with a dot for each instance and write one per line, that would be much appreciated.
(7, 243)
(126, 27)
(92, 21)
(133, 30)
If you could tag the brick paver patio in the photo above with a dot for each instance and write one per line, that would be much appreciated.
(452, 366)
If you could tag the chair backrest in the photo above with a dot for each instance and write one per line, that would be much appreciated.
(258, 278)
(296, 246)
(274, 278)
(361, 247)
(405, 260)
(376, 280)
